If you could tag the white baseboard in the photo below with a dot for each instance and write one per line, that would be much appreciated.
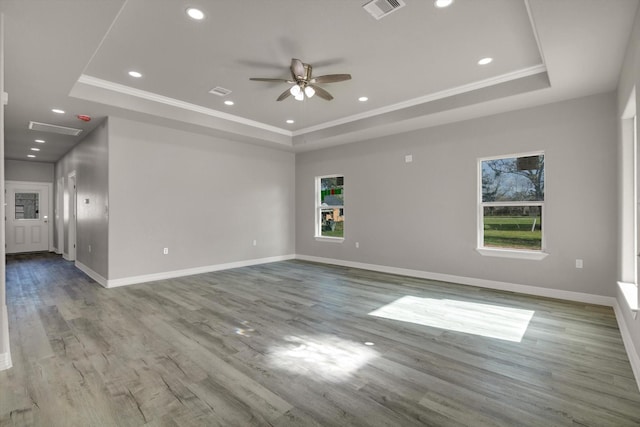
(89, 272)
(5, 361)
(5, 354)
(125, 281)
(634, 358)
(482, 283)
(66, 256)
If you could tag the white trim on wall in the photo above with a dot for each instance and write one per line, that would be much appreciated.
(482, 283)
(5, 358)
(634, 357)
(125, 281)
(89, 272)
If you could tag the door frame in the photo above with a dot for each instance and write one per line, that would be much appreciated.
(59, 215)
(49, 210)
(72, 209)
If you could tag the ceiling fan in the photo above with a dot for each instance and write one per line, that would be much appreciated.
(303, 82)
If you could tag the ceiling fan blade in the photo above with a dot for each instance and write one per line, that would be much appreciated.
(260, 79)
(331, 78)
(322, 93)
(284, 95)
(297, 69)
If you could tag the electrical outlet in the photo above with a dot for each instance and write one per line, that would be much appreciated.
(255, 243)
(408, 158)
(89, 248)
(357, 245)
(165, 251)
(579, 263)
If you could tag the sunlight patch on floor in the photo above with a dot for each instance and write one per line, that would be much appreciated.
(491, 321)
(325, 358)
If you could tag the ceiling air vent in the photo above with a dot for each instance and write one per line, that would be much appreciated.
(220, 91)
(381, 8)
(45, 127)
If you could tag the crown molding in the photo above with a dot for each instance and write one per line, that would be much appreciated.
(503, 78)
(150, 96)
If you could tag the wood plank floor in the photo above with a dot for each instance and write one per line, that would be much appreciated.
(283, 344)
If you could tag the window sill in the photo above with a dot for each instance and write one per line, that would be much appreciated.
(507, 253)
(329, 239)
(630, 293)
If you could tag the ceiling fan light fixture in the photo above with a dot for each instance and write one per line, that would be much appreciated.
(309, 91)
(299, 96)
(295, 90)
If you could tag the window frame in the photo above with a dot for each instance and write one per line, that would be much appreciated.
(529, 254)
(318, 211)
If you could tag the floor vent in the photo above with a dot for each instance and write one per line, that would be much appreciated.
(381, 8)
(46, 127)
(220, 91)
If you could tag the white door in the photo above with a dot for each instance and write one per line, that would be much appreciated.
(27, 216)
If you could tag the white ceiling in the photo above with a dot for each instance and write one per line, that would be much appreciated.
(418, 65)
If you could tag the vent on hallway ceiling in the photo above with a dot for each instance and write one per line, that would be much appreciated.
(220, 91)
(381, 8)
(46, 127)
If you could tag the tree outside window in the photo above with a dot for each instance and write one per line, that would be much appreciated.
(512, 203)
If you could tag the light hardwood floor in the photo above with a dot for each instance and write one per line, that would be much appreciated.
(283, 344)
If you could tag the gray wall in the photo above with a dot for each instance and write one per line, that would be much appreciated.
(205, 199)
(20, 170)
(423, 215)
(629, 77)
(89, 159)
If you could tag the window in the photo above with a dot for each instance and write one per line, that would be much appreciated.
(511, 210)
(27, 206)
(330, 207)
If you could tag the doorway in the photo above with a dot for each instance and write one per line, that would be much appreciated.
(28, 225)
(70, 214)
(59, 215)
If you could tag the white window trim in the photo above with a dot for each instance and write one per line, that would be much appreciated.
(630, 293)
(508, 252)
(628, 285)
(513, 253)
(329, 239)
(317, 232)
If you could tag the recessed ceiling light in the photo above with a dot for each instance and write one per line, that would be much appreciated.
(31, 156)
(35, 149)
(485, 61)
(57, 111)
(443, 3)
(40, 141)
(291, 121)
(363, 99)
(228, 102)
(135, 74)
(196, 14)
